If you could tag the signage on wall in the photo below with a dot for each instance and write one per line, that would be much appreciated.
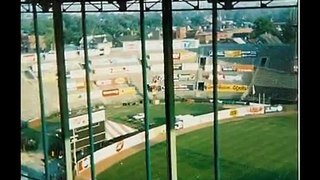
(232, 54)
(248, 53)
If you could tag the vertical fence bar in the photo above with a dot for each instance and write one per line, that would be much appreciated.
(215, 93)
(145, 91)
(87, 70)
(62, 86)
(169, 90)
(41, 97)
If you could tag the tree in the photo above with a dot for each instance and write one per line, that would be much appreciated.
(264, 25)
(197, 20)
(153, 20)
(179, 20)
(72, 29)
(289, 32)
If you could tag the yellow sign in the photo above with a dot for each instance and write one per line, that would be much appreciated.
(233, 112)
(232, 54)
(127, 91)
(229, 88)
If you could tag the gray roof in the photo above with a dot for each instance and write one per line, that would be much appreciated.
(272, 78)
(280, 57)
(269, 39)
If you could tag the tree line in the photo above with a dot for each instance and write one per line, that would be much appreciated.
(116, 25)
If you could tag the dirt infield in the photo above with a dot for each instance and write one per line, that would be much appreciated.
(108, 162)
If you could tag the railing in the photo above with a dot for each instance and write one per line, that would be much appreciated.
(169, 90)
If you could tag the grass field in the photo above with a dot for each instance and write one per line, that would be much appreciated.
(252, 149)
(157, 112)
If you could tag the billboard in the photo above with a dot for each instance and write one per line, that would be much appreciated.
(233, 113)
(80, 121)
(110, 92)
(244, 67)
(224, 77)
(232, 54)
(248, 53)
(103, 82)
(229, 88)
(177, 66)
(127, 91)
(181, 88)
(228, 69)
(276, 108)
(256, 109)
(190, 44)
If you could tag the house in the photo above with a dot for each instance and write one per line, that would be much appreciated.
(32, 42)
(95, 40)
(181, 33)
(155, 34)
(24, 43)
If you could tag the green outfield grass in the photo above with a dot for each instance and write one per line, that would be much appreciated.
(252, 149)
(157, 112)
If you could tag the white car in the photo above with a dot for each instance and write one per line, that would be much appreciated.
(179, 125)
(139, 116)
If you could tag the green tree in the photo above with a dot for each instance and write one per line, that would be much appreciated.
(72, 29)
(153, 20)
(198, 20)
(179, 20)
(263, 25)
(289, 32)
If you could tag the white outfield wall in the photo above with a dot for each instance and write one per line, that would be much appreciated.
(189, 121)
(118, 147)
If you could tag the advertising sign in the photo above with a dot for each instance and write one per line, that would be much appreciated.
(181, 87)
(223, 77)
(80, 121)
(127, 91)
(244, 67)
(256, 110)
(270, 109)
(248, 53)
(233, 113)
(119, 146)
(232, 54)
(185, 44)
(110, 92)
(219, 53)
(177, 66)
(232, 88)
(229, 88)
(228, 68)
(103, 82)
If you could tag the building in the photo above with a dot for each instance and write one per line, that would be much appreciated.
(181, 33)
(206, 37)
(95, 40)
(25, 47)
(32, 42)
